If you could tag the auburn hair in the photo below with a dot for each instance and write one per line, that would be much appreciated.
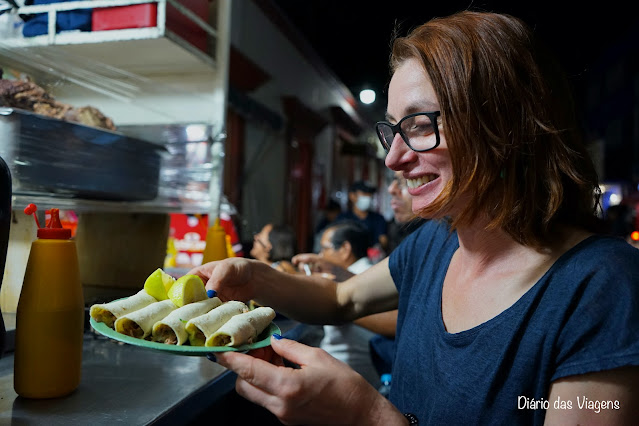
(509, 122)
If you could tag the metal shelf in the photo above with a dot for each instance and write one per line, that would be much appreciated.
(142, 51)
(142, 76)
(135, 76)
(146, 51)
(158, 205)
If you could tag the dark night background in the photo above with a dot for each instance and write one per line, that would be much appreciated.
(597, 45)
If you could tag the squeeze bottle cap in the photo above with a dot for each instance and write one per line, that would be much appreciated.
(54, 229)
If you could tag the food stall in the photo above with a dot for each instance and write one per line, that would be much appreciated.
(150, 82)
(158, 75)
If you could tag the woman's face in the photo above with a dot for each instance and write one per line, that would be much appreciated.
(261, 244)
(426, 173)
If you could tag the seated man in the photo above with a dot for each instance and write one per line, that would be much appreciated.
(344, 246)
(382, 344)
(384, 324)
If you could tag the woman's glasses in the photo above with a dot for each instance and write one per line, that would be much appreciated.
(416, 131)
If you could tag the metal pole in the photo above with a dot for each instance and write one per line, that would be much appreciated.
(220, 88)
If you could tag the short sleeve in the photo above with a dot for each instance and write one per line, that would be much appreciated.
(601, 324)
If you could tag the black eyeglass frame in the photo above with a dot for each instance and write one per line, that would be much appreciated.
(396, 128)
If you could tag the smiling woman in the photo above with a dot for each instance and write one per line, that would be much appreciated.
(485, 114)
(512, 294)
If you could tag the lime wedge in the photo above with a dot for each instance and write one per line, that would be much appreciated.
(187, 289)
(158, 284)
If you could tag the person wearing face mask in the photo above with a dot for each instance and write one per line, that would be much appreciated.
(360, 195)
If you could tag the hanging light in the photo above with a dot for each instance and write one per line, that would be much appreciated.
(367, 96)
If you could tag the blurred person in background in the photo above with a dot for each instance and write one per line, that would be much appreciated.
(360, 196)
(275, 245)
(404, 220)
(344, 244)
(330, 213)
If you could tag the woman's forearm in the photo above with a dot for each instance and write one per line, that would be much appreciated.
(310, 299)
(317, 300)
(370, 292)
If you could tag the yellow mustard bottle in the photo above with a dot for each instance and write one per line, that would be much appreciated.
(215, 248)
(50, 316)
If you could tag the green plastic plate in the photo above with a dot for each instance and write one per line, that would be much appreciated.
(264, 339)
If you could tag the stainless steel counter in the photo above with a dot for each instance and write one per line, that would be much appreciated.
(123, 384)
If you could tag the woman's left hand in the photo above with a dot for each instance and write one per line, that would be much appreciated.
(322, 391)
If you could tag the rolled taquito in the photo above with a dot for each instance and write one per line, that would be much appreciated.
(171, 329)
(200, 328)
(243, 328)
(109, 312)
(140, 323)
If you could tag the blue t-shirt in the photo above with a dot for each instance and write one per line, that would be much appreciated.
(374, 222)
(582, 316)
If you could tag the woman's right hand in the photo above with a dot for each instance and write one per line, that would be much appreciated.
(322, 391)
(230, 278)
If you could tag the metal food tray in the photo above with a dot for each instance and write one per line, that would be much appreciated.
(47, 155)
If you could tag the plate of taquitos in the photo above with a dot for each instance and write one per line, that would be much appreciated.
(216, 327)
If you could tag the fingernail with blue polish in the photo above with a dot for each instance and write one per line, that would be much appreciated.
(211, 293)
(277, 336)
(211, 357)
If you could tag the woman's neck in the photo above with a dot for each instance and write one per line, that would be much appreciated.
(494, 251)
(481, 250)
